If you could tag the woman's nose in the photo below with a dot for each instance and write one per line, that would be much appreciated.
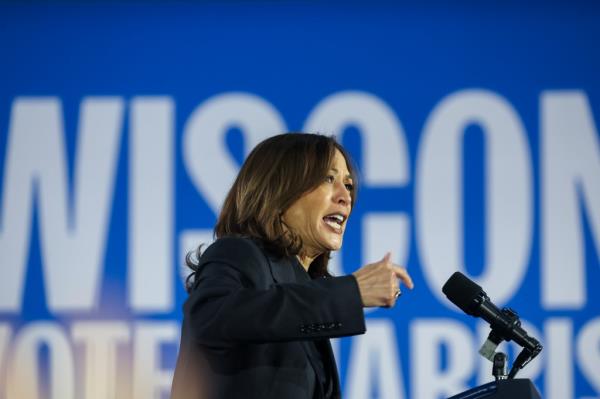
(342, 195)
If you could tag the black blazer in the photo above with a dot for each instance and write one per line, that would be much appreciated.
(247, 324)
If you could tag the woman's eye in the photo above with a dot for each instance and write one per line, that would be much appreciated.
(349, 186)
(330, 179)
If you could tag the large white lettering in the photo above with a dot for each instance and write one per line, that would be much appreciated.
(112, 359)
(374, 363)
(588, 352)
(151, 204)
(428, 338)
(508, 185)
(73, 218)
(73, 237)
(386, 160)
(559, 351)
(25, 375)
(149, 379)
(100, 341)
(5, 337)
(207, 161)
(570, 169)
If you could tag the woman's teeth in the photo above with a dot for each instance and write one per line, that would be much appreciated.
(334, 222)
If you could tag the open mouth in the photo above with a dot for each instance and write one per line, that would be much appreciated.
(335, 221)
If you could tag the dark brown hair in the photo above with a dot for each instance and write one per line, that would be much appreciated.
(278, 172)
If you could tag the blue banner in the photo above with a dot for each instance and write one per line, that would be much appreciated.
(122, 126)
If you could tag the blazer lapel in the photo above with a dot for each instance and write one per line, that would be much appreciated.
(319, 383)
(281, 270)
(328, 362)
(331, 364)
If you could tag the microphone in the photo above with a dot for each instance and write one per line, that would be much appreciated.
(505, 323)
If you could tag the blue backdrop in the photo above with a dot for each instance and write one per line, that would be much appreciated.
(122, 127)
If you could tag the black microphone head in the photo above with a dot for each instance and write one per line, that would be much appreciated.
(463, 292)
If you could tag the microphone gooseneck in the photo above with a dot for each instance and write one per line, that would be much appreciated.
(505, 323)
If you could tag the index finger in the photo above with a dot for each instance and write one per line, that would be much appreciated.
(403, 275)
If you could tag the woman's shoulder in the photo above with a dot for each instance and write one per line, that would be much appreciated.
(235, 250)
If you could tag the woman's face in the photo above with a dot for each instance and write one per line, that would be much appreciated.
(319, 217)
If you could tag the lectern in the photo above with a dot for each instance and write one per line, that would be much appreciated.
(519, 388)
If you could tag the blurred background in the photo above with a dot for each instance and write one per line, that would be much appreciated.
(122, 125)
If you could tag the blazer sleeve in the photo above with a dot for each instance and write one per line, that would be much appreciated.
(231, 301)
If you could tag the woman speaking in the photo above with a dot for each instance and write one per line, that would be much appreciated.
(262, 304)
